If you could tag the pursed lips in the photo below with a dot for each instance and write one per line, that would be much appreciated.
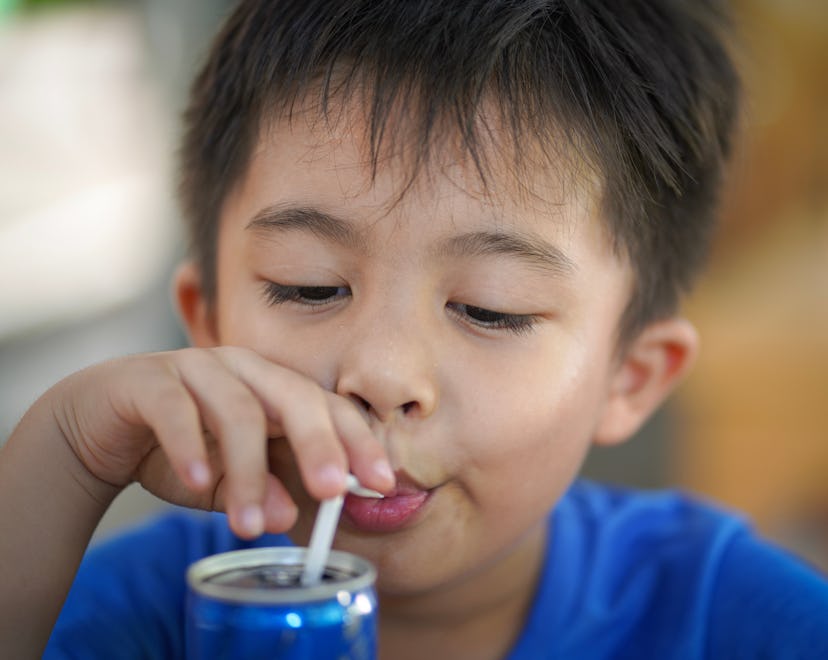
(397, 510)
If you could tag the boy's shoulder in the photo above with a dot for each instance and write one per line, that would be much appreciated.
(665, 574)
(127, 599)
(660, 545)
(645, 515)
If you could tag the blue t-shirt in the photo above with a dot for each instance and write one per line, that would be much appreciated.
(627, 575)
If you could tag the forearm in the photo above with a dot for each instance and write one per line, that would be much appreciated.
(49, 508)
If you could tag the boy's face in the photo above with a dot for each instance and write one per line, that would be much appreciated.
(479, 331)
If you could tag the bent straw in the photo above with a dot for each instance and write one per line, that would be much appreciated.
(323, 531)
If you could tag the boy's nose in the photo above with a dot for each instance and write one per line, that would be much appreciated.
(389, 372)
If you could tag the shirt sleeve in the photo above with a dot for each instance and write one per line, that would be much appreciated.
(127, 600)
(767, 604)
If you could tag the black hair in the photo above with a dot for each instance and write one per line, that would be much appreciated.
(643, 91)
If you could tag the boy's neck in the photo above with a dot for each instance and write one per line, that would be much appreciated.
(479, 619)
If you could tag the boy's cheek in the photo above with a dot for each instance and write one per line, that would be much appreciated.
(278, 344)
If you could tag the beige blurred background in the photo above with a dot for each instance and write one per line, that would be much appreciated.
(90, 94)
(754, 416)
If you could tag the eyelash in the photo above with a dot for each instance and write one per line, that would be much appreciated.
(278, 294)
(516, 323)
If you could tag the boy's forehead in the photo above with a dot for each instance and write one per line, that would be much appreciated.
(334, 153)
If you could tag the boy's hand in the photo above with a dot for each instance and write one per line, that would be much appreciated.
(192, 427)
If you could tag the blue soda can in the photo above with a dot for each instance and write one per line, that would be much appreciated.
(250, 604)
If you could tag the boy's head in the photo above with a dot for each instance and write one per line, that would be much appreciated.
(450, 213)
(639, 96)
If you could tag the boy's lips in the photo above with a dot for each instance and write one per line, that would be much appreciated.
(396, 510)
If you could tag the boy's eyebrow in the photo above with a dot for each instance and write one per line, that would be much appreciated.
(534, 250)
(309, 219)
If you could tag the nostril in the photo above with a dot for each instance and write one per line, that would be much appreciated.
(406, 408)
(362, 403)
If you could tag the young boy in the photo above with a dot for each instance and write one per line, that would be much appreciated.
(439, 245)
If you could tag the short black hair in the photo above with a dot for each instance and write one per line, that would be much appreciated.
(643, 91)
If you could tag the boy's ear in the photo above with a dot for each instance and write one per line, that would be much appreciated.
(195, 311)
(652, 366)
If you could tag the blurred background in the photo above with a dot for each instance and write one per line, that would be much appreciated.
(90, 98)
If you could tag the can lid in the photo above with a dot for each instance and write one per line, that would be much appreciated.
(272, 576)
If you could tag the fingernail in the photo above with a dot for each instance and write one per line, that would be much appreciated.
(199, 473)
(382, 469)
(251, 520)
(333, 475)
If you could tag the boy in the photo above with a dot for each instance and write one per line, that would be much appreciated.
(441, 246)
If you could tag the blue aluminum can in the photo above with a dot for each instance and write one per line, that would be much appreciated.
(249, 604)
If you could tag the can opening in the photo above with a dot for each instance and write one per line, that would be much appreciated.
(274, 576)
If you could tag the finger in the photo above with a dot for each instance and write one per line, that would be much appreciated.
(319, 452)
(301, 408)
(279, 510)
(234, 416)
(164, 404)
(367, 457)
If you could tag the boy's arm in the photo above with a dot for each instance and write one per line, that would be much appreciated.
(50, 505)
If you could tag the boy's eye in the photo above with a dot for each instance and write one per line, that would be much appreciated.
(487, 318)
(276, 294)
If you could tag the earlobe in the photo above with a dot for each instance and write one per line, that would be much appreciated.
(652, 366)
(193, 307)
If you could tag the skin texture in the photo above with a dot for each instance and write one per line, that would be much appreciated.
(464, 339)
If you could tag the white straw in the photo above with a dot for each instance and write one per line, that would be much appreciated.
(323, 532)
(358, 489)
(321, 539)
